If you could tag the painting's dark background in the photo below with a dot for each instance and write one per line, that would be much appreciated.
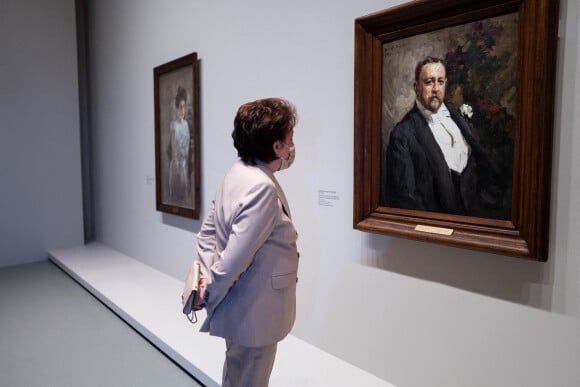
(481, 68)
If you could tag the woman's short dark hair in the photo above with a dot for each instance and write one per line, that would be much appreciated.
(259, 124)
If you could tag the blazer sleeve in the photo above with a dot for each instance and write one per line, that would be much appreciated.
(206, 242)
(251, 225)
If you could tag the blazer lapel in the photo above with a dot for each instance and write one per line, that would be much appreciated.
(281, 195)
(427, 140)
(440, 170)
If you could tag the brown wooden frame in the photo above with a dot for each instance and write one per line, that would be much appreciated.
(526, 234)
(165, 95)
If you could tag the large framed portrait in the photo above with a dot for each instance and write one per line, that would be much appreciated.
(177, 170)
(453, 138)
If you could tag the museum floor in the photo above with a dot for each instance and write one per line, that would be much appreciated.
(54, 333)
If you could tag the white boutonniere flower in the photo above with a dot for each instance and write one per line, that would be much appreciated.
(466, 110)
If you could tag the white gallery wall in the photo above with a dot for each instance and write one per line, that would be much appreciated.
(40, 151)
(412, 313)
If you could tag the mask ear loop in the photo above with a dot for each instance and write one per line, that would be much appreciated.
(280, 147)
(277, 148)
(192, 317)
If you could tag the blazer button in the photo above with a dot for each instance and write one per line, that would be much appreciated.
(296, 279)
(298, 254)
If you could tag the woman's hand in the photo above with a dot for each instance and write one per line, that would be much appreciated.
(200, 302)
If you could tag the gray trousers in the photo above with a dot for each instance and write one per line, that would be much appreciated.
(248, 367)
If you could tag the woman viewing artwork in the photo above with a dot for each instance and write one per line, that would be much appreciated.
(247, 246)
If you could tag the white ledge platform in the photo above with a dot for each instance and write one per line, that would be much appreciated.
(149, 301)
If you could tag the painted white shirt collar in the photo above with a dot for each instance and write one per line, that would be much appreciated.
(448, 136)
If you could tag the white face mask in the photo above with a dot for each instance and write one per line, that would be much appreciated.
(286, 163)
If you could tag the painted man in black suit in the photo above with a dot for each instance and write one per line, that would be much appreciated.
(434, 161)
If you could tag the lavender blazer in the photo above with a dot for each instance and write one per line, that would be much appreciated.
(247, 246)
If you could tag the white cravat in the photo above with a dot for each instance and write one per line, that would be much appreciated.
(448, 136)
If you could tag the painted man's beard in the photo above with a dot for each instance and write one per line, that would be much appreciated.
(434, 104)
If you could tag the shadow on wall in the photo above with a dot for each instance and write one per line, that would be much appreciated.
(185, 224)
(512, 279)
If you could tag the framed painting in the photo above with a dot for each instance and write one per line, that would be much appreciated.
(177, 171)
(453, 141)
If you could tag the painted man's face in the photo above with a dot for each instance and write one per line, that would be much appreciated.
(430, 88)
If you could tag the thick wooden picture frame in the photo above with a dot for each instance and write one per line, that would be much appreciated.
(177, 127)
(524, 231)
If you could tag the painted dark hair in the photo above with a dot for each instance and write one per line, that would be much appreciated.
(181, 96)
(259, 124)
(427, 60)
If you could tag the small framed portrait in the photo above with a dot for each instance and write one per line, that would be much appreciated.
(452, 141)
(177, 170)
